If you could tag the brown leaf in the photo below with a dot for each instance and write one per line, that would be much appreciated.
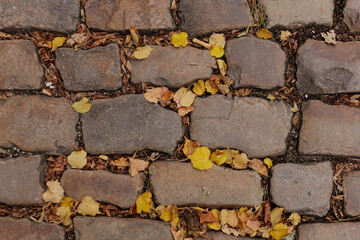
(207, 217)
(182, 111)
(267, 212)
(259, 166)
(136, 166)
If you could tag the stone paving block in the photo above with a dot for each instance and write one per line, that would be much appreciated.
(253, 125)
(105, 228)
(129, 123)
(329, 129)
(119, 15)
(325, 68)
(305, 189)
(351, 183)
(207, 16)
(329, 231)
(104, 186)
(255, 62)
(20, 67)
(173, 67)
(222, 236)
(87, 70)
(295, 13)
(38, 124)
(25, 229)
(21, 180)
(181, 185)
(58, 16)
(351, 15)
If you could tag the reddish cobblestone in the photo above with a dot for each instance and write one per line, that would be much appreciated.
(329, 231)
(351, 183)
(351, 15)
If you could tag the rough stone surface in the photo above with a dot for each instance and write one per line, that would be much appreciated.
(168, 181)
(253, 125)
(20, 67)
(173, 67)
(222, 236)
(25, 229)
(38, 124)
(305, 189)
(329, 129)
(105, 228)
(351, 15)
(59, 16)
(129, 123)
(104, 186)
(295, 13)
(207, 16)
(86, 70)
(21, 180)
(325, 68)
(329, 231)
(119, 15)
(351, 183)
(263, 68)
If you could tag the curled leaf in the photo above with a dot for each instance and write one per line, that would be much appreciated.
(295, 218)
(179, 39)
(258, 166)
(240, 161)
(200, 159)
(222, 66)
(64, 213)
(135, 36)
(136, 166)
(189, 147)
(88, 206)
(199, 87)
(82, 106)
(54, 192)
(219, 156)
(144, 202)
(264, 33)
(57, 42)
(77, 159)
(209, 88)
(142, 52)
(182, 111)
(217, 51)
(268, 162)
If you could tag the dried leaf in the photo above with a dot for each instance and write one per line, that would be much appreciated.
(182, 111)
(135, 36)
(275, 215)
(217, 51)
(64, 213)
(184, 97)
(219, 156)
(258, 166)
(189, 147)
(136, 166)
(57, 42)
(207, 217)
(217, 39)
(82, 106)
(144, 203)
(77, 159)
(142, 52)
(54, 192)
(199, 87)
(232, 218)
(279, 231)
(168, 214)
(200, 159)
(330, 37)
(216, 224)
(285, 35)
(179, 39)
(222, 66)
(224, 89)
(264, 34)
(240, 161)
(295, 108)
(295, 218)
(268, 162)
(153, 95)
(271, 97)
(80, 38)
(224, 217)
(67, 202)
(209, 88)
(88, 206)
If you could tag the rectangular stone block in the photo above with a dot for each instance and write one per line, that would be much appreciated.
(329, 231)
(181, 185)
(351, 183)
(351, 15)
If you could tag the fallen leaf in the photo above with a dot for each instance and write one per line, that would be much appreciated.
(226, 229)
(295, 108)
(217, 39)
(136, 166)
(271, 97)
(209, 88)
(80, 38)
(77, 159)
(200, 159)
(253, 224)
(135, 36)
(217, 51)
(64, 213)
(179, 39)
(144, 203)
(279, 231)
(207, 217)
(258, 166)
(285, 35)
(189, 147)
(295, 218)
(88, 206)
(222, 66)
(121, 162)
(166, 96)
(153, 95)
(67, 202)
(82, 106)
(232, 218)
(54, 192)
(216, 224)
(224, 217)
(104, 157)
(275, 215)
(224, 89)
(264, 33)
(265, 232)
(182, 111)
(142, 52)
(268, 162)
(240, 161)
(199, 87)
(330, 37)
(184, 97)
(168, 214)
(57, 42)
(219, 156)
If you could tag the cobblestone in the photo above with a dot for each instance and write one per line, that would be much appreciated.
(222, 236)
(351, 183)
(202, 17)
(47, 124)
(305, 189)
(58, 16)
(351, 15)
(329, 231)
(87, 70)
(117, 189)
(25, 229)
(168, 181)
(324, 68)
(263, 68)
(20, 67)
(253, 125)
(294, 13)
(173, 67)
(139, 125)
(120, 15)
(329, 129)
(92, 228)
(21, 179)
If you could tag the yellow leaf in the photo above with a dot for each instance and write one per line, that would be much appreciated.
(135, 36)
(153, 95)
(142, 52)
(224, 217)
(279, 231)
(64, 213)
(285, 35)
(295, 108)
(136, 166)
(57, 42)
(271, 97)
(189, 147)
(199, 87)
(275, 215)
(184, 97)
(264, 33)
(88, 206)
(179, 39)
(222, 66)
(77, 159)
(82, 106)
(67, 202)
(218, 156)
(144, 202)
(210, 89)
(168, 214)
(54, 192)
(258, 166)
(268, 162)
(215, 225)
(200, 158)
(240, 161)
(217, 39)
(295, 218)
(217, 51)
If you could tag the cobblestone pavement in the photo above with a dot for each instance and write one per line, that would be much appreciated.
(294, 99)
